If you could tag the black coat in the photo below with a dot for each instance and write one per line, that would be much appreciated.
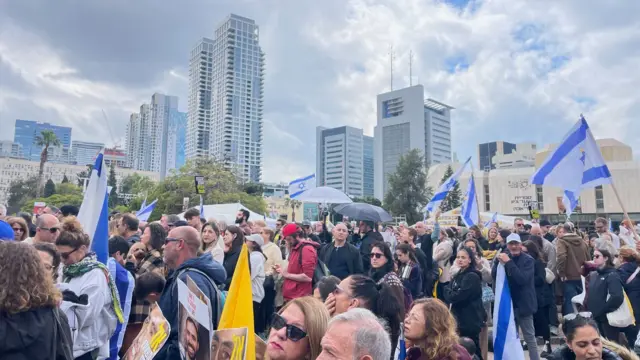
(464, 293)
(354, 263)
(564, 353)
(426, 245)
(368, 239)
(34, 335)
(520, 275)
(633, 288)
(603, 283)
(543, 290)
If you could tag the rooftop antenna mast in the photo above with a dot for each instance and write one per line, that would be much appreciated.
(391, 58)
(410, 67)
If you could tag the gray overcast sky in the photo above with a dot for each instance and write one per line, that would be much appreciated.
(514, 70)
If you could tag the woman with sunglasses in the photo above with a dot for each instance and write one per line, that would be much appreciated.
(297, 329)
(583, 341)
(19, 226)
(50, 258)
(96, 320)
(382, 271)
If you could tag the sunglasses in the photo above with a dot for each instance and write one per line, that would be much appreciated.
(65, 255)
(52, 230)
(293, 332)
(572, 316)
(376, 255)
(17, 229)
(168, 240)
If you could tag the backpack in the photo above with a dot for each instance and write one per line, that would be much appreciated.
(319, 272)
(220, 296)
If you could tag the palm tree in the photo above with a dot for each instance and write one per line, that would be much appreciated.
(46, 139)
(294, 205)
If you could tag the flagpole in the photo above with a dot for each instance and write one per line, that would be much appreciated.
(624, 210)
(476, 194)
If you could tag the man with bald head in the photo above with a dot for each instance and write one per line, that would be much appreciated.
(181, 258)
(47, 230)
(341, 258)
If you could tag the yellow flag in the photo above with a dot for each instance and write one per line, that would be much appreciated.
(238, 307)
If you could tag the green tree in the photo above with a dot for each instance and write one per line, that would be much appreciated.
(113, 182)
(136, 184)
(454, 197)
(252, 188)
(408, 192)
(19, 191)
(68, 189)
(46, 139)
(49, 188)
(368, 200)
(65, 179)
(293, 204)
(85, 174)
(55, 200)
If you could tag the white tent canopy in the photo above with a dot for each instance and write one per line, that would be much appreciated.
(227, 213)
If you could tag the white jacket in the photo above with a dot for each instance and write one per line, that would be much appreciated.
(217, 250)
(257, 275)
(93, 324)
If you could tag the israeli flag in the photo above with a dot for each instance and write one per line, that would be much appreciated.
(401, 349)
(506, 344)
(570, 201)
(298, 186)
(143, 205)
(469, 209)
(494, 219)
(202, 208)
(143, 215)
(94, 211)
(576, 164)
(610, 226)
(444, 189)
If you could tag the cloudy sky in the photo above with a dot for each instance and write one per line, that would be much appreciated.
(514, 70)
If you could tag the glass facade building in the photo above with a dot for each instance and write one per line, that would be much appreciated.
(25, 134)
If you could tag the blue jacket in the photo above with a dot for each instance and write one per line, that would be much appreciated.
(520, 275)
(632, 288)
(169, 300)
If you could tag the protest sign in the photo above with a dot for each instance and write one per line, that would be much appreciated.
(152, 336)
(193, 287)
(194, 325)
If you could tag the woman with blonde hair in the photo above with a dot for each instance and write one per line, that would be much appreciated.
(297, 329)
(31, 325)
(20, 228)
(432, 331)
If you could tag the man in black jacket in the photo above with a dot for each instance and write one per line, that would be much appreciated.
(519, 268)
(341, 258)
(366, 237)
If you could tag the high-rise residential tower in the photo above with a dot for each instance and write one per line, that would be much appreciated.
(226, 79)
(407, 121)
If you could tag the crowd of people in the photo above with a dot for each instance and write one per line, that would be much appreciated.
(320, 291)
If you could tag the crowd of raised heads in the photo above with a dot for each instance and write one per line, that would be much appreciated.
(349, 290)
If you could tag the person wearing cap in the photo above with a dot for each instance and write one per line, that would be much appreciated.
(545, 227)
(257, 258)
(306, 226)
(303, 258)
(6, 231)
(519, 268)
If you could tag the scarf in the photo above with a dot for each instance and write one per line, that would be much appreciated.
(90, 263)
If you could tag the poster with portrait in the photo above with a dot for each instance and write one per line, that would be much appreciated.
(194, 332)
(193, 287)
(230, 344)
(154, 333)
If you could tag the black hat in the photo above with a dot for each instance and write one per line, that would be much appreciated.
(545, 222)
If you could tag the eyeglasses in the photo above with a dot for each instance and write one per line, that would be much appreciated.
(293, 332)
(18, 229)
(168, 240)
(376, 255)
(572, 316)
(596, 256)
(52, 230)
(65, 255)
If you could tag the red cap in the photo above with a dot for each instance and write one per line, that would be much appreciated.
(289, 229)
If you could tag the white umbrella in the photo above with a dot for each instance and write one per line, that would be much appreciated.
(324, 195)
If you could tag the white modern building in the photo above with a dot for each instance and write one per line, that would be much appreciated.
(84, 153)
(340, 160)
(115, 157)
(407, 121)
(9, 148)
(226, 80)
(20, 169)
(176, 141)
(162, 109)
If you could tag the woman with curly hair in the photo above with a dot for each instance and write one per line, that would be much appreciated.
(31, 325)
(432, 331)
(20, 228)
(91, 298)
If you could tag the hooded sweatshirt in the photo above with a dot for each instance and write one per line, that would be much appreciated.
(33, 335)
(572, 253)
(169, 303)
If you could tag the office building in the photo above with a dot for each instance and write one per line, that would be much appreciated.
(523, 156)
(340, 159)
(138, 144)
(162, 109)
(407, 121)
(176, 140)
(367, 165)
(487, 151)
(226, 77)
(26, 132)
(10, 149)
(84, 153)
(276, 190)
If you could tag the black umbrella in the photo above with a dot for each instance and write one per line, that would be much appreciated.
(363, 211)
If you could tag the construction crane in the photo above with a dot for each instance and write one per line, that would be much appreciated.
(116, 144)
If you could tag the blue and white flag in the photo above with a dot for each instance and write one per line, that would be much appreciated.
(143, 215)
(401, 349)
(494, 219)
(94, 211)
(298, 186)
(202, 208)
(506, 344)
(570, 201)
(444, 189)
(144, 203)
(610, 225)
(576, 164)
(469, 210)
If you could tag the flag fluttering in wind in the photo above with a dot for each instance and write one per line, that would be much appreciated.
(506, 345)
(202, 207)
(575, 164)
(570, 201)
(446, 186)
(469, 210)
(401, 351)
(238, 307)
(298, 186)
(143, 205)
(94, 211)
(143, 214)
(494, 219)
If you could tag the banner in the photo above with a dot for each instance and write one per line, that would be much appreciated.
(152, 336)
(194, 332)
(193, 287)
